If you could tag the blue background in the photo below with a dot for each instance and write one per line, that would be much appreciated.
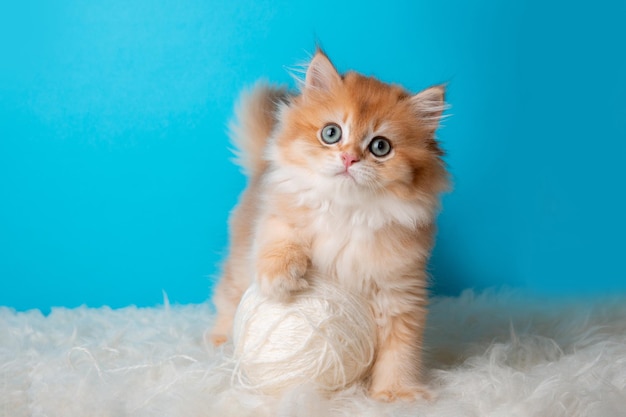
(115, 180)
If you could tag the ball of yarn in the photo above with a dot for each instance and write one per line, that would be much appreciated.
(324, 335)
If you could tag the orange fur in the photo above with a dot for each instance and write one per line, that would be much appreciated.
(367, 224)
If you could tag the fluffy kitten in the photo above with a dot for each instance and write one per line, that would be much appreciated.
(344, 180)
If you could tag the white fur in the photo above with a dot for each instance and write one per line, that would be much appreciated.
(351, 205)
(494, 354)
(344, 220)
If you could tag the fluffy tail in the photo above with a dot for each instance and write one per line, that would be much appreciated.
(255, 118)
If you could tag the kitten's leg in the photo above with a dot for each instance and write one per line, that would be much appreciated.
(282, 259)
(228, 293)
(237, 273)
(396, 371)
(281, 264)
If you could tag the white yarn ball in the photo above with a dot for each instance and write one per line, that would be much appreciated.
(323, 335)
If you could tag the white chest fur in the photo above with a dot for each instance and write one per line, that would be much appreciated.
(366, 260)
(338, 250)
(351, 246)
(348, 227)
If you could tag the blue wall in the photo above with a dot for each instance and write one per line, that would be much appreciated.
(115, 180)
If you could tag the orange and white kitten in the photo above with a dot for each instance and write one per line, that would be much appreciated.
(344, 183)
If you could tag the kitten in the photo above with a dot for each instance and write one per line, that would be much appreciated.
(344, 180)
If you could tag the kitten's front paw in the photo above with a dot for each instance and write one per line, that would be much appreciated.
(281, 287)
(280, 277)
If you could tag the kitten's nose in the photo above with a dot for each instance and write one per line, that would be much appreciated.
(348, 159)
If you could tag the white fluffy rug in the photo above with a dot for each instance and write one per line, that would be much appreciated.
(493, 354)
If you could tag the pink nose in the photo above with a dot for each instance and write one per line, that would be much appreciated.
(348, 159)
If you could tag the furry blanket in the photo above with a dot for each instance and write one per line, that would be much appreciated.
(492, 354)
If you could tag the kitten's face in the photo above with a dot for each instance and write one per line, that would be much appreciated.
(359, 135)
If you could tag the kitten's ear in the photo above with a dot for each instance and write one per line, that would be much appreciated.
(321, 73)
(430, 105)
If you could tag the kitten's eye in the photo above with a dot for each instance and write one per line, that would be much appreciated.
(380, 146)
(331, 133)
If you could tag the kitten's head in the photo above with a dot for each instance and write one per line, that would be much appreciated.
(357, 136)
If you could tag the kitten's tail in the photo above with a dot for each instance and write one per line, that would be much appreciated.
(255, 118)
